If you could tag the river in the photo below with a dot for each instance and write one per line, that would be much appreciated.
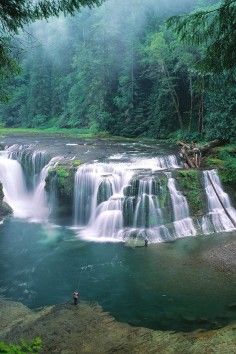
(167, 285)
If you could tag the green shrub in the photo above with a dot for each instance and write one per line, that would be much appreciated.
(24, 347)
(186, 136)
(224, 159)
(190, 184)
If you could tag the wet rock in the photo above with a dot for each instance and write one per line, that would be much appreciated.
(5, 209)
(127, 191)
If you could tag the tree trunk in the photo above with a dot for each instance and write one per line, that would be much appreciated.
(201, 107)
(191, 102)
(173, 95)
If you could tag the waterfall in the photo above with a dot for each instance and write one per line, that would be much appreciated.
(147, 213)
(24, 202)
(183, 224)
(98, 198)
(39, 195)
(95, 184)
(105, 211)
(219, 205)
(14, 188)
(117, 200)
(32, 162)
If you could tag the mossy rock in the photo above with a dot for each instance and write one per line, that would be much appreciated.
(191, 187)
(76, 163)
(60, 187)
(163, 191)
(63, 177)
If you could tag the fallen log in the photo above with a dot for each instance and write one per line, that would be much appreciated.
(192, 154)
(211, 145)
(190, 163)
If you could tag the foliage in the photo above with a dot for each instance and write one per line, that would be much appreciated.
(215, 26)
(76, 163)
(118, 70)
(224, 159)
(63, 176)
(14, 15)
(24, 347)
(189, 181)
(184, 135)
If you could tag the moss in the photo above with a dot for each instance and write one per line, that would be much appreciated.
(60, 188)
(190, 184)
(63, 177)
(76, 163)
(164, 194)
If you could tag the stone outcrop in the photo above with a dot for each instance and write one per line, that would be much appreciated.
(60, 186)
(5, 209)
(67, 329)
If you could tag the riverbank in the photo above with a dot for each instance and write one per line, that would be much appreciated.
(69, 133)
(88, 329)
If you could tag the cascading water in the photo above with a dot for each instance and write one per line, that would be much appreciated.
(102, 206)
(221, 215)
(32, 162)
(148, 213)
(39, 195)
(26, 203)
(147, 219)
(183, 224)
(14, 188)
(98, 198)
(116, 201)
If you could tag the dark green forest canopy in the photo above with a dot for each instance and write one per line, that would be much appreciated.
(15, 14)
(215, 27)
(118, 68)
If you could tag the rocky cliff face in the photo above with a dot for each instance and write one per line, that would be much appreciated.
(86, 328)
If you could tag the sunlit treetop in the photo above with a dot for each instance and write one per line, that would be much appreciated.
(214, 28)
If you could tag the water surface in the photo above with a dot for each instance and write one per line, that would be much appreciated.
(164, 286)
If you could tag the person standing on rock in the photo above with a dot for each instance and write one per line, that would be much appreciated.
(76, 297)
